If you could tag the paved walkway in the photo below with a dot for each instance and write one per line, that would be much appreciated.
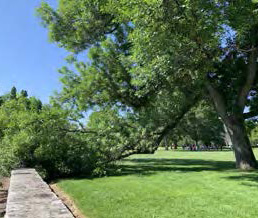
(30, 197)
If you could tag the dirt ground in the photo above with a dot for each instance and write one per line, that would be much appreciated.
(4, 185)
(67, 201)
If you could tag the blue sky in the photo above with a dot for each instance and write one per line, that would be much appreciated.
(27, 59)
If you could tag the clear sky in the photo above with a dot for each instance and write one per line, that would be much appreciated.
(27, 59)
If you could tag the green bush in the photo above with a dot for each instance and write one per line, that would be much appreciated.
(46, 140)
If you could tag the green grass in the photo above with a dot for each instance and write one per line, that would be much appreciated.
(169, 184)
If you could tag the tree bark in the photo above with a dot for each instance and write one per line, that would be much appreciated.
(244, 155)
(235, 125)
(166, 143)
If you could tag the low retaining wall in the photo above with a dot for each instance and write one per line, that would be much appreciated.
(30, 197)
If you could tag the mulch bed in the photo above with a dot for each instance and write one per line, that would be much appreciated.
(4, 185)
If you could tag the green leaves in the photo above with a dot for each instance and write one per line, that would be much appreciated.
(44, 137)
(149, 59)
(77, 24)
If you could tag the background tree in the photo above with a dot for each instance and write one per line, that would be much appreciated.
(13, 93)
(202, 125)
(45, 138)
(24, 93)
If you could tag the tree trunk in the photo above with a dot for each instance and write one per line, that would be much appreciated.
(244, 155)
(235, 123)
(197, 145)
(166, 143)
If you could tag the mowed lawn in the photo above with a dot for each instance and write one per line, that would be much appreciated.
(181, 184)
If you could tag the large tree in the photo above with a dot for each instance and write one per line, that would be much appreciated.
(141, 49)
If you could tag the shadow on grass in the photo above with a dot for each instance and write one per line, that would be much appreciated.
(149, 166)
(152, 166)
(211, 150)
(247, 178)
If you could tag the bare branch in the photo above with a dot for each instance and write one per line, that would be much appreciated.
(176, 120)
(79, 131)
(218, 100)
(247, 50)
(250, 114)
(251, 74)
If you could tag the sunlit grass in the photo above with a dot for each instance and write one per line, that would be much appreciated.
(169, 184)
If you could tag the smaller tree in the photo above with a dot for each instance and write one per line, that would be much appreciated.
(24, 93)
(35, 104)
(202, 124)
(13, 93)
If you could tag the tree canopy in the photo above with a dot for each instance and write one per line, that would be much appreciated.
(144, 53)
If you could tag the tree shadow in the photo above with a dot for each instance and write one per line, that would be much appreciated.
(150, 166)
(246, 178)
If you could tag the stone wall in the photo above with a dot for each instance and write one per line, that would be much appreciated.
(3, 197)
(30, 197)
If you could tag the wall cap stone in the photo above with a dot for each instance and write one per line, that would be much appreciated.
(30, 197)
